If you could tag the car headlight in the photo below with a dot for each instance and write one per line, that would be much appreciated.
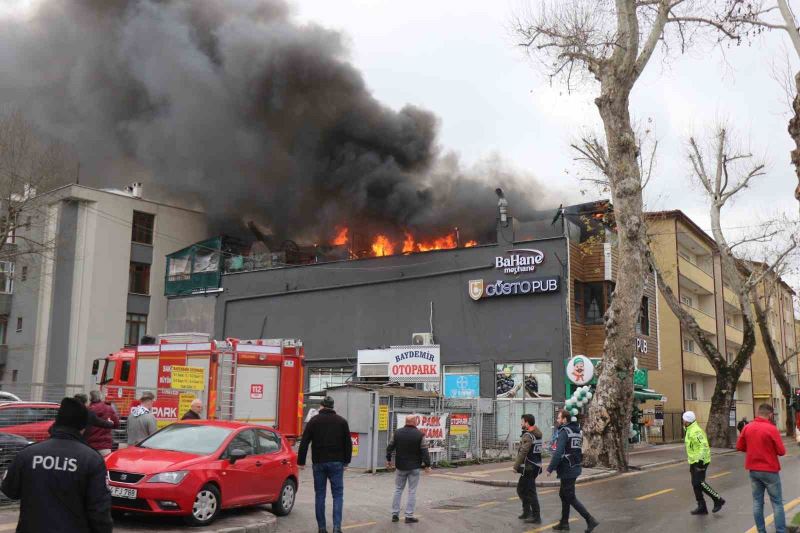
(173, 478)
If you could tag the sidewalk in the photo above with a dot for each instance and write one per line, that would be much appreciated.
(501, 474)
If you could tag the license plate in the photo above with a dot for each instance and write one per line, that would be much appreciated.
(122, 492)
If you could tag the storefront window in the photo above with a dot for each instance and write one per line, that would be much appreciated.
(320, 379)
(524, 380)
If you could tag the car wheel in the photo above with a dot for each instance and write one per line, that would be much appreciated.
(206, 506)
(285, 502)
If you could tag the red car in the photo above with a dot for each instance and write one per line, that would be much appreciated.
(196, 468)
(31, 420)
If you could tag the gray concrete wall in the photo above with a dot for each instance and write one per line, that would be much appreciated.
(191, 314)
(338, 308)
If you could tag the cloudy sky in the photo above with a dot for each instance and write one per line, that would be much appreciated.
(458, 58)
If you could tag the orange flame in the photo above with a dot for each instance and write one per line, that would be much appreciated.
(382, 246)
(470, 244)
(442, 243)
(341, 237)
(408, 243)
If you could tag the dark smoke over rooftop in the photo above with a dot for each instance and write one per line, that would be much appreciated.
(233, 104)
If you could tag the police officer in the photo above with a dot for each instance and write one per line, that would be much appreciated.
(566, 461)
(61, 482)
(529, 466)
(698, 453)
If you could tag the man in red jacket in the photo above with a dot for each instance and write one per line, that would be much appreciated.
(762, 443)
(100, 438)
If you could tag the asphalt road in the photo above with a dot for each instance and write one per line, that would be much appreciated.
(657, 500)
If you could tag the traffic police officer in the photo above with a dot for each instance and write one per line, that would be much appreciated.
(566, 461)
(61, 482)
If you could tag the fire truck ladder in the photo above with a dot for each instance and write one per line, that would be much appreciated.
(227, 384)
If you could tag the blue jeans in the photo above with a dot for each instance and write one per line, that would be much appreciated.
(771, 481)
(323, 472)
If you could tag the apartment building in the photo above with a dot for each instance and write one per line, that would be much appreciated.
(691, 266)
(101, 287)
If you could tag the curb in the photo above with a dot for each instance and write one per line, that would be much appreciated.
(553, 483)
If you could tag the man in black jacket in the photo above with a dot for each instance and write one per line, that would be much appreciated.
(411, 454)
(61, 482)
(331, 451)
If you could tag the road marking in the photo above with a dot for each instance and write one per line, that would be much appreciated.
(548, 526)
(715, 476)
(658, 449)
(363, 524)
(653, 495)
(771, 518)
(487, 504)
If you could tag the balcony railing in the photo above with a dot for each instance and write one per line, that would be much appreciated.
(696, 274)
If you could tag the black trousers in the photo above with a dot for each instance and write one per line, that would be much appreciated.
(526, 490)
(698, 472)
(568, 499)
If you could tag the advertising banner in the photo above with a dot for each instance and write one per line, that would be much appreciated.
(407, 364)
(463, 386)
(383, 418)
(434, 427)
(459, 424)
(354, 441)
(166, 405)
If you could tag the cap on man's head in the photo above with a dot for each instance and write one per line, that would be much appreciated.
(689, 417)
(327, 402)
(72, 414)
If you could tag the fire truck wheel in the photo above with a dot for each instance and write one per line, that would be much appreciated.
(285, 502)
(206, 506)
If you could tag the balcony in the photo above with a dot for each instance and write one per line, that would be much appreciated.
(697, 364)
(705, 321)
(733, 333)
(731, 298)
(696, 274)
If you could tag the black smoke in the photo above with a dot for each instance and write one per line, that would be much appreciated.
(235, 106)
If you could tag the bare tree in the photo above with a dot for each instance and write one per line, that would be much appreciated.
(612, 42)
(774, 15)
(28, 165)
(730, 173)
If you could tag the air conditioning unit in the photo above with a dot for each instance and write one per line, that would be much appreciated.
(422, 339)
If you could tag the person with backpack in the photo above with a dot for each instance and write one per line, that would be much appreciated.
(566, 462)
(529, 466)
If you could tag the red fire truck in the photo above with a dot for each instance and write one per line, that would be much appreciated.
(257, 381)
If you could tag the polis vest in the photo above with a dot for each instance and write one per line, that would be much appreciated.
(573, 452)
(534, 456)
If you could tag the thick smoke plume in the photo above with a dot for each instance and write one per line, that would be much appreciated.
(233, 105)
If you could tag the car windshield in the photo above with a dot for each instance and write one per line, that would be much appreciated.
(187, 438)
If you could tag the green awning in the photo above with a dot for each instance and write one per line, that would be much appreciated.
(642, 395)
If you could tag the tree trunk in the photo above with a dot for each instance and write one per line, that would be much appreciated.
(719, 415)
(775, 363)
(607, 428)
(794, 133)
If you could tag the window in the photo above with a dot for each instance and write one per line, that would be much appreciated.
(320, 379)
(135, 329)
(268, 442)
(139, 282)
(245, 441)
(3, 329)
(6, 277)
(643, 326)
(142, 228)
(591, 301)
(688, 345)
(524, 380)
(462, 381)
(691, 391)
(125, 373)
(19, 324)
(687, 300)
(24, 275)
